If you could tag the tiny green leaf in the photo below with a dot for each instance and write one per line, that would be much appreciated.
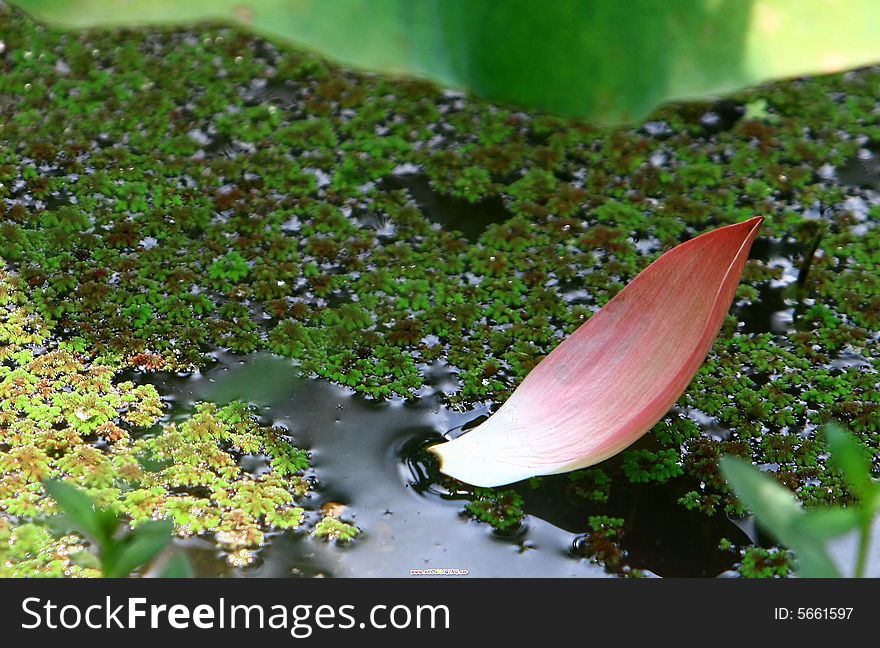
(77, 507)
(107, 523)
(140, 547)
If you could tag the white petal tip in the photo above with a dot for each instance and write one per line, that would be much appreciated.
(462, 463)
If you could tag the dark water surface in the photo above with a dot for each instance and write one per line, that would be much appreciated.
(370, 457)
(453, 214)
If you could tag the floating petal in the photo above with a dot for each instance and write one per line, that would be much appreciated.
(612, 379)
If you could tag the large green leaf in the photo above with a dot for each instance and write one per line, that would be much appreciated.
(609, 60)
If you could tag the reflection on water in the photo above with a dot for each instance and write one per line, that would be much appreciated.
(469, 218)
(370, 457)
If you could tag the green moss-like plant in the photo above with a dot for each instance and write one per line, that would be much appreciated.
(66, 416)
(332, 528)
(502, 509)
(602, 545)
(757, 562)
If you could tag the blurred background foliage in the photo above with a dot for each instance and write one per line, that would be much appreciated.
(605, 60)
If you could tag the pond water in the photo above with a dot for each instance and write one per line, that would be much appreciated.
(369, 457)
(469, 218)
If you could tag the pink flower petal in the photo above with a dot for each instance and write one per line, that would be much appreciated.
(615, 376)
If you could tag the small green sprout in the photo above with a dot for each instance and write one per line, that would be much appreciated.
(806, 532)
(119, 553)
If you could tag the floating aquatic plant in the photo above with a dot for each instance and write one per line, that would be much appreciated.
(332, 528)
(502, 509)
(615, 376)
(64, 415)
